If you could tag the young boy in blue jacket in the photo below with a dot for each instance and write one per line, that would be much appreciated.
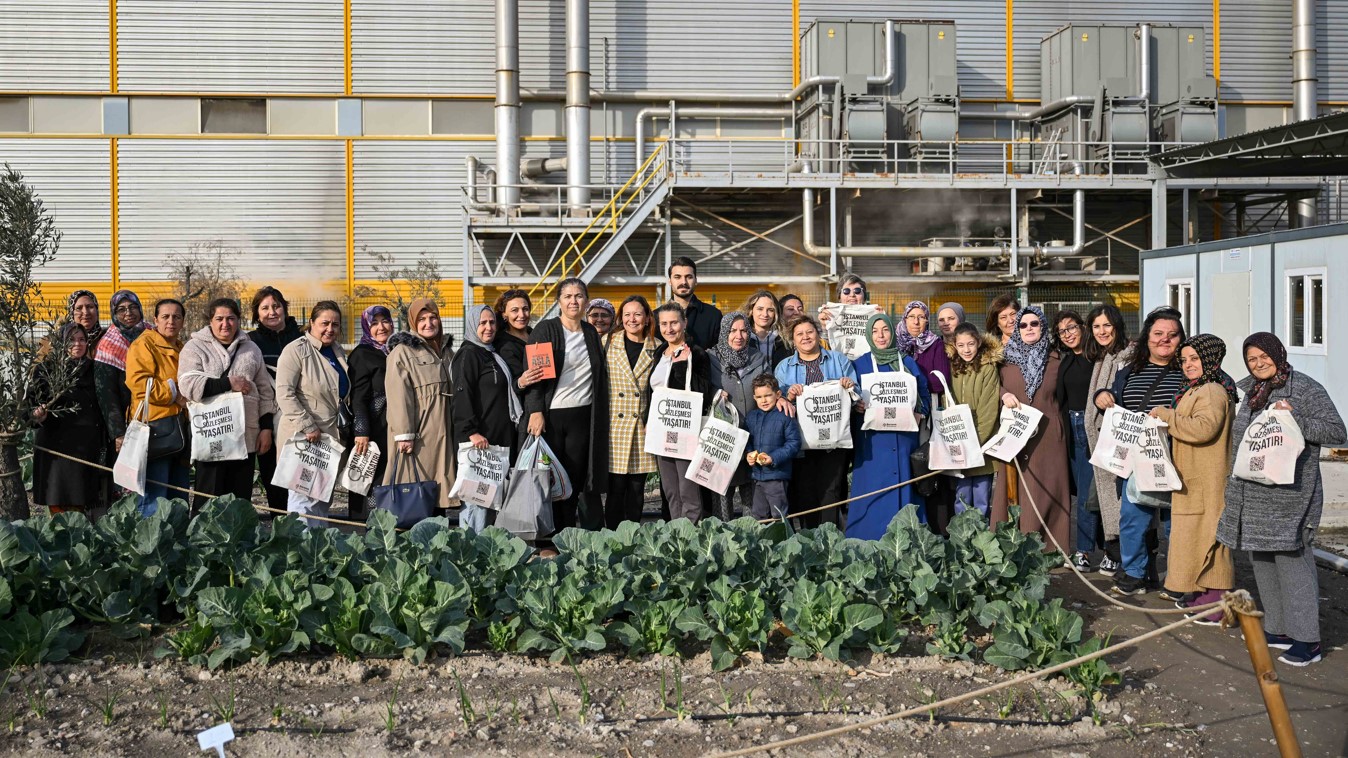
(774, 439)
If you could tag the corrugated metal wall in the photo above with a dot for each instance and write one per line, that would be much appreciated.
(424, 46)
(1036, 19)
(1256, 45)
(262, 46)
(72, 178)
(980, 28)
(407, 201)
(282, 203)
(1332, 43)
(59, 45)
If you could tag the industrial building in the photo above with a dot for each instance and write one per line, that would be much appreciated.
(942, 150)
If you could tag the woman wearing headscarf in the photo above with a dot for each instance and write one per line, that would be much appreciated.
(369, 422)
(312, 385)
(883, 458)
(917, 341)
(1108, 350)
(949, 316)
(569, 411)
(487, 410)
(630, 353)
(82, 309)
(276, 329)
(735, 363)
(1030, 377)
(1199, 421)
(73, 427)
(220, 358)
(152, 378)
(114, 399)
(1277, 523)
(601, 314)
(419, 386)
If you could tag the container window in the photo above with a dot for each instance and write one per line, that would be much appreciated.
(1306, 310)
(233, 115)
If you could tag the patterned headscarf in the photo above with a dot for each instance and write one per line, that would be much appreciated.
(1032, 359)
(602, 304)
(97, 330)
(889, 356)
(914, 346)
(117, 340)
(470, 334)
(1211, 350)
(1273, 347)
(367, 322)
(731, 358)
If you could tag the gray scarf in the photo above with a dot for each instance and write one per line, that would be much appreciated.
(470, 334)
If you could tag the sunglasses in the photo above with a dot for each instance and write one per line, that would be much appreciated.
(853, 290)
(1030, 324)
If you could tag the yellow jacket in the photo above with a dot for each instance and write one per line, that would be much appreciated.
(153, 356)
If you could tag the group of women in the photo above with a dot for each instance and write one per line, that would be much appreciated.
(416, 398)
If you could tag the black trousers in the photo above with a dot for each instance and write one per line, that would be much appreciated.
(626, 499)
(819, 478)
(567, 432)
(224, 478)
(358, 506)
(277, 497)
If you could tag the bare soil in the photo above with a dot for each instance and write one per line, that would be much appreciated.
(1188, 694)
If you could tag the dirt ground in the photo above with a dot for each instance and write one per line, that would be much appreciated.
(1187, 694)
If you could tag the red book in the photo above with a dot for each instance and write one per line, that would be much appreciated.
(539, 355)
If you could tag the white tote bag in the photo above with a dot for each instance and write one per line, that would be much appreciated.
(1018, 427)
(824, 410)
(1120, 437)
(537, 455)
(481, 475)
(358, 474)
(891, 401)
(1153, 470)
(1268, 450)
(720, 448)
(218, 428)
(675, 420)
(954, 439)
(309, 468)
(129, 470)
(845, 329)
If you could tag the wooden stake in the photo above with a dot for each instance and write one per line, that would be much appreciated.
(1283, 731)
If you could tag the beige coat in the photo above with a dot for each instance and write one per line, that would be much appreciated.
(420, 393)
(1201, 430)
(1102, 378)
(626, 391)
(203, 358)
(307, 390)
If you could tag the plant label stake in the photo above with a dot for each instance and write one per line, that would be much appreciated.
(215, 738)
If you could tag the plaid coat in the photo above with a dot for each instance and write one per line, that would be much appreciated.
(627, 389)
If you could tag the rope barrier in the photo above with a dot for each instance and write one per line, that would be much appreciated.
(1228, 603)
(851, 499)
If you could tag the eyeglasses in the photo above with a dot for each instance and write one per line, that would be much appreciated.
(854, 290)
(1031, 324)
(1066, 330)
(125, 309)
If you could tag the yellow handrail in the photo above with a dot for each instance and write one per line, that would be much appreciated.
(608, 209)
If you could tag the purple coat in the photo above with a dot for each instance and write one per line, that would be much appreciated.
(934, 359)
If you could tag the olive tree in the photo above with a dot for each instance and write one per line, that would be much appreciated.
(31, 373)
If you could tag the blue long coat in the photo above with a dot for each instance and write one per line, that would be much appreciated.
(882, 460)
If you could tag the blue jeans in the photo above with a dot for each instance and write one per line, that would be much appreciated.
(1134, 521)
(168, 470)
(1083, 474)
(473, 517)
(973, 492)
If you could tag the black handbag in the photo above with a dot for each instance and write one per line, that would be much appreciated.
(918, 460)
(166, 434)
(411, 502)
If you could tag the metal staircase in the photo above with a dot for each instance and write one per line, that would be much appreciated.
(614, 224)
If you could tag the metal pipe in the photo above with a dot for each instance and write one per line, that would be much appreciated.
(1145, 63)
(741, 113)
(508, 102)
(1030, 115)
(533, 168)
(1305, 95)
(578, 106)
(891, 56)
(474, 202)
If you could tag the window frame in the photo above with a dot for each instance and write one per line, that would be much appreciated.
(1188, 315)
(1306, 275)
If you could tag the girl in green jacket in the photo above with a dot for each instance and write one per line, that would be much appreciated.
(973, 368)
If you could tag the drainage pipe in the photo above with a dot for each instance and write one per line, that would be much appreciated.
(578, 106)
(1304, 84)
(508, 102)
(761, 114)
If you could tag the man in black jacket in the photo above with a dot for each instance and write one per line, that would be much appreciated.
(704, 320)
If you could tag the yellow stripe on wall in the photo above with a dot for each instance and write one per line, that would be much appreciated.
(1010, 49)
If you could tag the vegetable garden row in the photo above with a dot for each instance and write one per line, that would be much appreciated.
(232, 590)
